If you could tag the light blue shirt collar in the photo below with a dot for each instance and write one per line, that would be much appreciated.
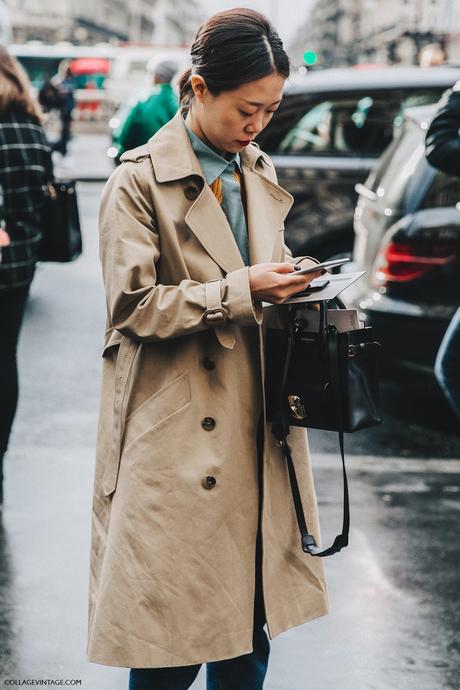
(212, 164)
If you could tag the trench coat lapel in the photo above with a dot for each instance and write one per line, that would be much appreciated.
(267, 205)
(173, 159)
(209, 224)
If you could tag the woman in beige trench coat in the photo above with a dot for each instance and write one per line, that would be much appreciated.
(189, 479)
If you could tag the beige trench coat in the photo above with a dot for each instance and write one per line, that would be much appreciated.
(173, 553)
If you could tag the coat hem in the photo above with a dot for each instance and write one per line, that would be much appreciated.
(217, 655)
(294, 621)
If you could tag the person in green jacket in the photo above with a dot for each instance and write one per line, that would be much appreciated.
(148, 116)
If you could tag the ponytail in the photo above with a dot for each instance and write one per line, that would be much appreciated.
(185, 88)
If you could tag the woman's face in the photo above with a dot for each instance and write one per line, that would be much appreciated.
(231, 120)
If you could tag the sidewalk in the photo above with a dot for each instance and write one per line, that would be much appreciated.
(86, 160)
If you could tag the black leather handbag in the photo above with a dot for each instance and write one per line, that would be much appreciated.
(321, 380)
(60, 223)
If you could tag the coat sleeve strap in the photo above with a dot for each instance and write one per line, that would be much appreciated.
(125, 360)
(215, 314)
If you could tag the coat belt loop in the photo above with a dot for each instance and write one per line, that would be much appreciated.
(215, 314)
(125, 359)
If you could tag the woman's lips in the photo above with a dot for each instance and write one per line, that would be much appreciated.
(245, 142)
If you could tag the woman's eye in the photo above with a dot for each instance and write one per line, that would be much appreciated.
(245, 114)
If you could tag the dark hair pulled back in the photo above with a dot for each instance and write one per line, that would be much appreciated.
(233, 48)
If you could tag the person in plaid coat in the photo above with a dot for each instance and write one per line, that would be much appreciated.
(25, 166)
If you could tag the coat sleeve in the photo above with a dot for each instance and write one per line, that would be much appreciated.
(138, 305)
(443, 139)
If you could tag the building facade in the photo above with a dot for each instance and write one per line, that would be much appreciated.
(87, 22)
(176, 23)
(347, 32)
(5, 25)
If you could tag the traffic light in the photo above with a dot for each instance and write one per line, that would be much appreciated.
(310, 58)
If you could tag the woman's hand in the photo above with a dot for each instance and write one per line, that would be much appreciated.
(4, 238)
(276, 282)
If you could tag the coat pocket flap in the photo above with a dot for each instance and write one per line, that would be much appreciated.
(160, 406)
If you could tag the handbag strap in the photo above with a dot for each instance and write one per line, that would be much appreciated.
(280, 429)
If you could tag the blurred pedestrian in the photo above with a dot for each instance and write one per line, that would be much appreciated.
(147, 116)
(66, 105)
(25, 166)
(432, 55)
(190, 486)
(48, 96)
(443, 152)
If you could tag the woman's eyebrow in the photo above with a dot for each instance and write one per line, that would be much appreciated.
(258, 104)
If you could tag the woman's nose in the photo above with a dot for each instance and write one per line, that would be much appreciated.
(255, 125)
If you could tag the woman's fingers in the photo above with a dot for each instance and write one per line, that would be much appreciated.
(301, 280)
(290, 274)
(4, 238)
(284, 267)
(276, 282)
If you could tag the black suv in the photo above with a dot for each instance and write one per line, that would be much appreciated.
(327, 136)
(407, 226)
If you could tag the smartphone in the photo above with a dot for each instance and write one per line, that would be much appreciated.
(316, 285)
(324, 264)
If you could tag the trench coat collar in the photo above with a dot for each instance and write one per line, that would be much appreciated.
(267, 204)
(212, 163)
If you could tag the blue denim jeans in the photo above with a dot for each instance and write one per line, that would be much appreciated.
(447, 366)
(246, 672)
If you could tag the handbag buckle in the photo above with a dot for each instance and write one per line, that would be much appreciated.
(354, 350)
(296, 407)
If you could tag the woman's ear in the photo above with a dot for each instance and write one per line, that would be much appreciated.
(199, 86)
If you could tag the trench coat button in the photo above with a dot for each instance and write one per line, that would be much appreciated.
(209, 363)
(208, 423)
(191, 192)
(209, 482)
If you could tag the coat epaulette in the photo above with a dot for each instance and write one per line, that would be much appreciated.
(135, 155)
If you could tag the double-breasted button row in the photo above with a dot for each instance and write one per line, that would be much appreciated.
(208, 423)
(209, 482)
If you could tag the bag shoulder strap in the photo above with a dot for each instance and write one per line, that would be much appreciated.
(280, 429)
(308, 541)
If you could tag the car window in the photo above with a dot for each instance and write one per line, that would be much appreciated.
(444, 191)
(312, 132)
(402, 170)
(413, 100)
(345, 126)
(341, 124)
(376, 175)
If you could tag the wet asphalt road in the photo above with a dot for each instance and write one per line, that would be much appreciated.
(394, 592)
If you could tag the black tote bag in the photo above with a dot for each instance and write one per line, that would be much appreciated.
(60, 223)
(331, 379)
(322, 380)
